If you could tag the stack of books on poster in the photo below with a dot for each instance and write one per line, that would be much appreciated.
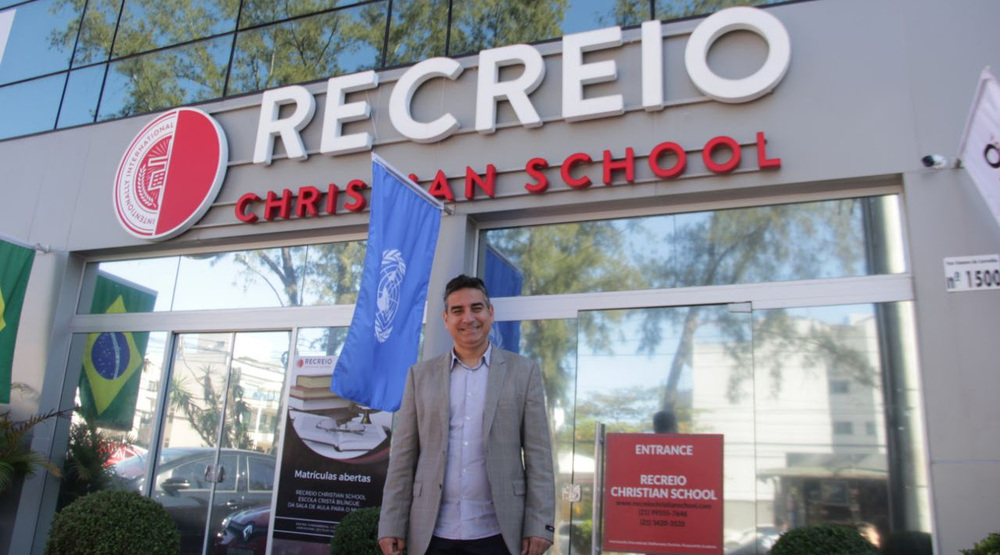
(310, 391)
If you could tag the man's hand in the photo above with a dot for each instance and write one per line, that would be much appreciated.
(534, 545)
(393, 546)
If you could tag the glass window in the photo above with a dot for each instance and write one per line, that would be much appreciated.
(481, 24)
(838, 238)
(98, 29)
(167, 78)
(117, 400)
(257, 12)
(419, 31)
(150, 24)
(41, 39)
(261, 473)
(80, 101)
(323, 274)
(586, 15)
(334, 43)
(674, 9)
(31, 106)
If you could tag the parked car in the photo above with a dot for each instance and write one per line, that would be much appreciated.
(753, 541)
(183, 485)
(244, 533)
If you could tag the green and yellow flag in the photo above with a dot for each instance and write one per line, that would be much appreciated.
(15, 267)
(113, 361)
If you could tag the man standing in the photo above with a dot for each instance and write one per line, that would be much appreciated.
(470, 469)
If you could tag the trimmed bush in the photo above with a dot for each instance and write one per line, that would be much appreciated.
(112, 522)
(988, 546)
(908, 542)
(357, 534)
(823, 539)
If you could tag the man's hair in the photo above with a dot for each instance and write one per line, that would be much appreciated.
(465, 282)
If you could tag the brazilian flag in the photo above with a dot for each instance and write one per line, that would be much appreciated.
(15, 267)
(113, 361)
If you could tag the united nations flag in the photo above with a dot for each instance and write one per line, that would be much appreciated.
(112, 361)
(385, 331)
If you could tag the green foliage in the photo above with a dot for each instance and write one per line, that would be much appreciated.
(86, 469)
(113, 521)
(990, 545)
(357, 534)
(204, 409)
(17, 460)
(823, 539)
(581, 536)
(908, 542)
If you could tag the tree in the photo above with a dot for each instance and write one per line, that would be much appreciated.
(205, 412)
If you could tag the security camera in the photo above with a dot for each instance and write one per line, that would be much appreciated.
(935, 161)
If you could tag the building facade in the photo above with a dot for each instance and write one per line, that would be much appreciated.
(724, 220)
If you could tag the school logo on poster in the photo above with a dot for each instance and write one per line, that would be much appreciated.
(170, 174)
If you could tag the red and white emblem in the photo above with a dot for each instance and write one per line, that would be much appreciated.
(170, 174)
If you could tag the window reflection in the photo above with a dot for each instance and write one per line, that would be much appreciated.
(816, 460)
(35, 45)
(674, 9)
(168, 78)
(149, 24)
(31, 106)
(323, 274)
(419, 31)
(748, 245)
(82, 91)
(585, 15)
(94, 44)
(307, 49)
(481, 24)
(256, 12)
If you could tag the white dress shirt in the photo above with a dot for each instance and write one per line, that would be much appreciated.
(467, 511)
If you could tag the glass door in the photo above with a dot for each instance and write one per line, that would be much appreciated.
(801, 395)
(674, 370)
(218, 445)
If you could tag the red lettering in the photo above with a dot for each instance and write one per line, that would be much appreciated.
(283, 205)
(308, 198)
(712, 145)
(241, 208)
(763, 162)
(354, 189)
(440, 188)
(472, 179)
(331, 198)
(676, 169)
(567, 165)
(627, 165)
(534, 167)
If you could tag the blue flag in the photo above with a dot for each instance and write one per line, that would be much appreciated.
(503, 279)
(384, 335)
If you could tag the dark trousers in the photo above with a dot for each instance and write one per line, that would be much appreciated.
(492, 545)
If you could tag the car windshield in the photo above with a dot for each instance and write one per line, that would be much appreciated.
(134, 467)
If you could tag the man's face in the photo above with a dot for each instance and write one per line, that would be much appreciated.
(468, 318)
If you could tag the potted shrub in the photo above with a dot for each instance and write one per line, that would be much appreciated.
(990, 545)
(823, 538)
(357, 534)
(113, 521)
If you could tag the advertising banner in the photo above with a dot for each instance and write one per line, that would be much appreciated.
(334, 459)
(663, 493)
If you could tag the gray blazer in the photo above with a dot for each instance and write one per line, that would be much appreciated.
(515, 423)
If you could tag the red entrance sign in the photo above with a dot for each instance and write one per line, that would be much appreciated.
(663, 493)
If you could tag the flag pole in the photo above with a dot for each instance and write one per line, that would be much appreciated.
(20, 243)
(436, 202)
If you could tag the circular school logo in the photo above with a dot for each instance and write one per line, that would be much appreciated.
(170, 174)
